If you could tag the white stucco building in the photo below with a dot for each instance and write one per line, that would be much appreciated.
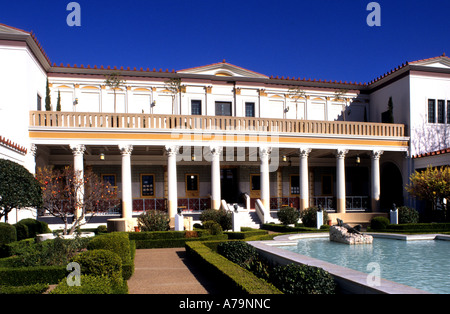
(227, 134)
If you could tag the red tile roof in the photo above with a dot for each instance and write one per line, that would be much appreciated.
(438, 152)
(13, 146)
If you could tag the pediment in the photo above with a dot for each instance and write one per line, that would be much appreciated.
(223, 69)
(442, 62)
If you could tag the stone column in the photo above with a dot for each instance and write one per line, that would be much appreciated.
(264, 153)
(127, 199)
(375, 159)
(78, 166)
(215, 177)
(172, 195)
(304, 182)
(340, 180)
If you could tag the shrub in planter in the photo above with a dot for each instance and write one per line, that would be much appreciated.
(7, 233)
(309, 217)
(302, 279)
(288, 215)
(154, 220)
(407, 215)
(379, 223)
(100, 263)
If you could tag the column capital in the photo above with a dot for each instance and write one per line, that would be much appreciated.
(77, 149)
(216, 150)
(340, 153)
(33, 149)
(265, 151)
(125, 149)
(376, 154)
(304, 152)
(171, 150)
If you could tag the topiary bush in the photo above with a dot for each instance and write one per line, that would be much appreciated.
(212, 227)
(154, 220)
(7, 233)
(379, 223)
(309, 217)
(35, 227)
(302, 279)
(407, 215)
(288, 215)
(100, 263)
(116, 242)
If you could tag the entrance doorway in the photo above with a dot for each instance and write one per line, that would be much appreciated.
(229, 185)
(391, 186)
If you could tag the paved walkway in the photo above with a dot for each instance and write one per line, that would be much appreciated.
(168, 271)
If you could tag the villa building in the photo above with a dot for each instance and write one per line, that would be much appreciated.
(219, 134)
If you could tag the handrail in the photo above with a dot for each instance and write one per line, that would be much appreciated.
(89, 120)
(260, 210)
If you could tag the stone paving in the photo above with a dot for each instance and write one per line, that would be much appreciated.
(168, 271)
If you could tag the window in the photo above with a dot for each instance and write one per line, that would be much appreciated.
(441, 111)
(295, 185)
(431, 111)
(192, 185)
(448, 111)
(223, 108)
(147, 185)
(196, 107)
(249, 109)
(109, 179)
(39, 103)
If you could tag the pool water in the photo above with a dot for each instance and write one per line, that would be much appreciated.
(420, 264)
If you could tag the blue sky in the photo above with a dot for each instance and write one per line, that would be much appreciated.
(322, 39)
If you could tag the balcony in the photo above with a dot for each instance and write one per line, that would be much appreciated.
(93, 120)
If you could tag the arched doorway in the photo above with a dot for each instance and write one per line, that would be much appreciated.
(391, 182)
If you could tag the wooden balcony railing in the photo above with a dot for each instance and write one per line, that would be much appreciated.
(89, 120)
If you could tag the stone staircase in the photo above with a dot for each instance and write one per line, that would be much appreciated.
(249, 218)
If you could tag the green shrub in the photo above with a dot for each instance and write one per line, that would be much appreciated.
(101, 229)
(100, 263)
(7, 233)
(213, 227)
(35, 227)
(288, 215)
(117, 242)
(38, 288)
(407, 215)
(19, 276)
(222, 217)
(230, 276)
(22, 231)
(90, 284)
(154, 220)
(309, 217)
(379, 223)
(302, 279)
(244, 255)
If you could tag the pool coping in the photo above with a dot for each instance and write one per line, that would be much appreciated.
(348, 280)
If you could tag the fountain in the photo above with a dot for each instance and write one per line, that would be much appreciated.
(343, 233)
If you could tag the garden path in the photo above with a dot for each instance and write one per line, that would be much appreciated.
(168, 271)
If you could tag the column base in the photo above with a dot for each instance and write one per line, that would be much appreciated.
(340, 205)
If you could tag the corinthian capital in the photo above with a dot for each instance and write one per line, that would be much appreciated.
(125, 149)
(216, 150)
(304, 152)
(376, 154)
(172, 150)
(265, 151)
(77, 149)
(340, 153)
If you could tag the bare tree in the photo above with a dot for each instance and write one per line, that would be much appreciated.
(174, 87)
(61, 191)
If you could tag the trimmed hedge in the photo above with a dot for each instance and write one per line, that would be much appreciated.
(246, 233)
(38, 288)
(298, 228)
(7, 233)
(92, 285)
(228, 273)
(22, 276)
(170, 239)
(415, 228)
